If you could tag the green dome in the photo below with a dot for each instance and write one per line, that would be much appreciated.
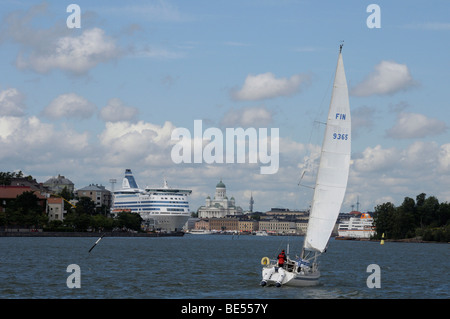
(220, 185)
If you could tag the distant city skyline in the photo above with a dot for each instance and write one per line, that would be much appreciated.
(89, 102)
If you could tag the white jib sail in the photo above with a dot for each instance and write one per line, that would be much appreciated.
(332, 176)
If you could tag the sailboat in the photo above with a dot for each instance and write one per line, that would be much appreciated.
(329, 191)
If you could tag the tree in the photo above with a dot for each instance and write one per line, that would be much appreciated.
(404, 221)
(129, 220)
(6, 177)
(444, 214)
(77, 222)
(426, 218)
(430, 211)
(384, 219)
(25, 210)
(101, 222)
(85, 205)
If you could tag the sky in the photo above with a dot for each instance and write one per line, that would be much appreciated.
(88, 102)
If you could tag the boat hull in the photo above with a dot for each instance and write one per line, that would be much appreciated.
(280, 277)
(165, 222)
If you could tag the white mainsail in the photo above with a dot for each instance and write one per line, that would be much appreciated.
(332, 176)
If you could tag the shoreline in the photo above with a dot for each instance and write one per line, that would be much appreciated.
(88, 234)
(403, 240)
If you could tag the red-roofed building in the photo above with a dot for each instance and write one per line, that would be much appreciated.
(9, 193)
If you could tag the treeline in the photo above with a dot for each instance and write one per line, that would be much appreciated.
(75, 221)
(28, 211)
(6, 177)
(423, 218)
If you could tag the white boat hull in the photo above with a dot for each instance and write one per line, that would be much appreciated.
(356, 233)
(199, 232)
(279, 277)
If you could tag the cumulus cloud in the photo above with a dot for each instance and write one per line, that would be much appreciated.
(388, 172)
(413, 125)
(267, 86)
(376, 159)
(247, 117)
(388, 78)
(140, 142)
(23, 139)
(11, 103)
(76, 55)
(116, 111)
(56, 47)
(69, 105)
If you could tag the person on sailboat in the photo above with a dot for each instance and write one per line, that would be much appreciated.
(281, 259)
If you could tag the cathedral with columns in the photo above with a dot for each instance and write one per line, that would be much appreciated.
(220, 205)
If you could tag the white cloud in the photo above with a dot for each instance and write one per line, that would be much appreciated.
(116, 111)
(388, 78)
(413, 125)
(69, 105)
(376, 159)
(267, 86)
(138, 143)
(247, 117)
(76, 55)
(394, 173)
(11, 103)
(28, 140)
(56, 47)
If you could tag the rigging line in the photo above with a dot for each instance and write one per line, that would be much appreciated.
(316, 121)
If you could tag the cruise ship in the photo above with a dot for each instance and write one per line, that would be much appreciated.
(360, 226)
(165, 208)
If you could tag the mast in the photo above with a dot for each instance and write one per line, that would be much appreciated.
(332, 176)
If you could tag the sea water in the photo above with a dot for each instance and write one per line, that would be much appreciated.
(213, 266)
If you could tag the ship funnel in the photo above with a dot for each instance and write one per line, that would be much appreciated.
(128, 181)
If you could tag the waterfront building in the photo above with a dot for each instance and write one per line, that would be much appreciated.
(279, 226)
(248, 225)
(57, 184)
(301, 226)
(220, 205)
(224, 224)
(97, 193)
(287, 213)
(55, 208)
(190, 224)
(9, 193)
(202, 224)
(32, 183)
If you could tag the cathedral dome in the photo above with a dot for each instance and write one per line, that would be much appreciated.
(220, 185)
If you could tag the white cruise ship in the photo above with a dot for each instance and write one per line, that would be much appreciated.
(360, 226)
(164, 208)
